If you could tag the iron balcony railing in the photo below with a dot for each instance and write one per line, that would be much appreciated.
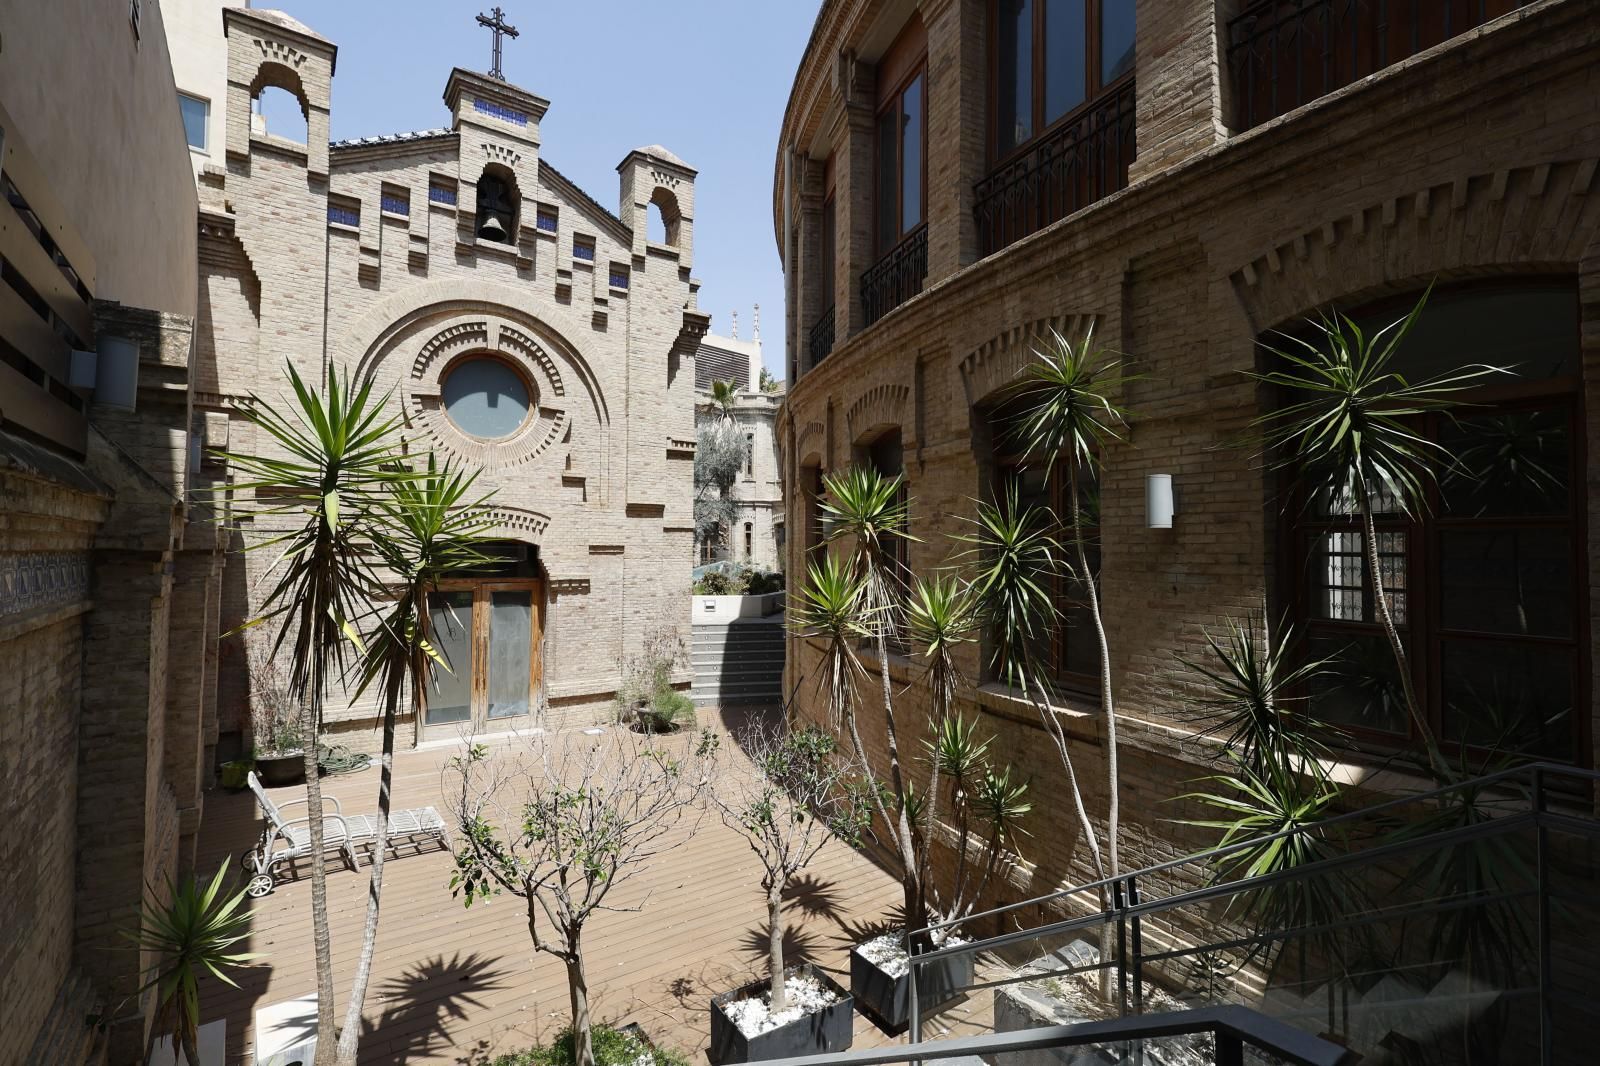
(1477, 936)
(1081, 161)
(897, 277)
(821, 339)
(1284, 53)
(1231, 1029)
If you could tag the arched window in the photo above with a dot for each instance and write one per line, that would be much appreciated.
(1069, 650)
(498, 201)
(1485, 581)
(280, 114)
(665, 218)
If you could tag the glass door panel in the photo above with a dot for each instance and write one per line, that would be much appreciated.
(510, 658)
(450, 694)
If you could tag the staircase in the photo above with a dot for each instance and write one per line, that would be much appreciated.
(738, 663)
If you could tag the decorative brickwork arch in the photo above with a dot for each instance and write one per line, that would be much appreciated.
(808, 445)
(277, 74)
(567, 421)
(517, 523)
(879, 408)
(665, 201)
(998, 361)
(1528, 220)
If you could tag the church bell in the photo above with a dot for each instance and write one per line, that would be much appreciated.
(492, 230)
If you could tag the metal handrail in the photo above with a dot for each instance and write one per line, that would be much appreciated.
(1534, 770)
(1232, 1026)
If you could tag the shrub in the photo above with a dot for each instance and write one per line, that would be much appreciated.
(718, 583)
(612, 1047)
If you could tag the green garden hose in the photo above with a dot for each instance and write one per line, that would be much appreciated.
(338, 759)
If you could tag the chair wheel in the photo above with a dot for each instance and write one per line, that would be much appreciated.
(260, 885)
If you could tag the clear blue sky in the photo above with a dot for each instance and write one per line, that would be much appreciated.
(706, 78)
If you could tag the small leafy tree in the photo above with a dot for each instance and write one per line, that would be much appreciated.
(332, 453)
(191, 936)
(767, 383)
(790, 797)
(721, 452)
(562, 825)
(1346, 431)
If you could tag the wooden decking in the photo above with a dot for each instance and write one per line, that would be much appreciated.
(452, 985)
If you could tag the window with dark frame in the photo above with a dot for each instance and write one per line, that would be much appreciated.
(812, 492)
(1072, 651)
(749, 455)
(1049, 59)
(1484, 581)
(900, 155)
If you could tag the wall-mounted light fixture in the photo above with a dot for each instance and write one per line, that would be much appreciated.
(1158, 509)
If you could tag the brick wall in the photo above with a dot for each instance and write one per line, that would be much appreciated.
(1423, 171)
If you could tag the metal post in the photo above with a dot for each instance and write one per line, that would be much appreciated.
(1122, 948)
(1138, 947)
(1541, 866)
(1230, 1050)
(916, 1001)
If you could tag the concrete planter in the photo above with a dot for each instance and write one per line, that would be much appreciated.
(828, 1030)
(887, 999)
(720, 610)
(281, 768)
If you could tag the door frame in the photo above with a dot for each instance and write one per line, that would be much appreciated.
(482, 590)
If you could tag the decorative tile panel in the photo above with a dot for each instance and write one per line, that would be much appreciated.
(30, 580)
(505, 114)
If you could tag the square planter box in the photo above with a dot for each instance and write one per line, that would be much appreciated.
(830, 1029)
(887, 1000)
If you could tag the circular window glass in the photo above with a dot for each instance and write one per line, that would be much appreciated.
(485, 398)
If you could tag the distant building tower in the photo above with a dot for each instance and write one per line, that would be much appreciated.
(756, 538)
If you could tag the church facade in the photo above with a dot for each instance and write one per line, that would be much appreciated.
(521, 330)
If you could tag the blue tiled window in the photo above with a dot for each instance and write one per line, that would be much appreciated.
(395, 204)
(489, 107)
(546, 220)
(619, 278)
(344, 216)
(442, 194)
(583, 249)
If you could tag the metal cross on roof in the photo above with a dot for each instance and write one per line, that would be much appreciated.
(498, 26)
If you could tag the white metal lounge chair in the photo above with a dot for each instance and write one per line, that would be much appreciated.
(283, 840)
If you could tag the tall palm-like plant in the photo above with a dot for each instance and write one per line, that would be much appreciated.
(724, 394)
(1245, 699)
(1069, 416)
(1017, 557)
(426, 528)
(1347, 431)
(333, 451)
(191, 936)
(867, 511)
(941, 616)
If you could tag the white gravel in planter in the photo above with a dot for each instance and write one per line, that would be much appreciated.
(806, 995)
(888, 952)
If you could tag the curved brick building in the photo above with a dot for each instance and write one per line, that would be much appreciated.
(954, 176)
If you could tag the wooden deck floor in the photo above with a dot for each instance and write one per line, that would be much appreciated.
(460, 986)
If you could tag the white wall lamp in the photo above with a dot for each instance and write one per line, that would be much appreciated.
(1158, 509)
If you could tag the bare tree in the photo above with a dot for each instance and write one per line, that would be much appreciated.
(561, 824)
(789, 797)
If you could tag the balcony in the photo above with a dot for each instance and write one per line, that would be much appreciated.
(1082, 160)
(897, 277)
(1285, 53)
(820, 342)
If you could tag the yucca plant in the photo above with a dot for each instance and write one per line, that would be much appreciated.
(867, 511)
(193, 935)
(957, 757)
(1069, 415)
(1251, 806)
(941, 617)
(1000, 802)
(1346, 431)
(1015, 558)
(1245, 699)
(425, 527)
(334, 452)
